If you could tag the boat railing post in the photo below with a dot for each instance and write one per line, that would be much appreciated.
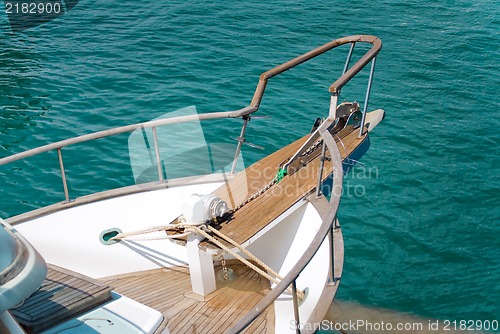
(296, 307)
(334, 98)
(321, 167)
(349, 56)
(348, 61)
(157, 154)
(337, 175)
(331, 278)
(367, 97)
(63, 175)
(240, 139)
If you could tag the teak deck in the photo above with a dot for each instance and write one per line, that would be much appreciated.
(169, 291)
(254, 216)
(63, 294)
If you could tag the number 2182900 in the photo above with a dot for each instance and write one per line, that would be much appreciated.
(32, 8)
(470, 325)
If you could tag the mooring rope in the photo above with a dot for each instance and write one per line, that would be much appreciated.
(158, 228)
(244, 251)
(188, 229)
(277, 279)
(163, 237)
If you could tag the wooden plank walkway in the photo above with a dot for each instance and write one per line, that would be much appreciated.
(254, 216)
(257, 214)
(169, 291)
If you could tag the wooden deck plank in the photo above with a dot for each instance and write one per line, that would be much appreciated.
(172, 292)
(222, 301)
(165, 303)
(226, 302)
(134, 284)
(65, 299)
(254, 216)
(217, 312)
(263, 171)
(258, 326)
(238, 311)
(183, 319)
(191, 322)
(135, 287)
(175, 312)
(51, 289)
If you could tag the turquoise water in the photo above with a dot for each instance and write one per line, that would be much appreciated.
(422, 232)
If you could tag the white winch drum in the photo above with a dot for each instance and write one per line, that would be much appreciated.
(200, 208)
(214, 206)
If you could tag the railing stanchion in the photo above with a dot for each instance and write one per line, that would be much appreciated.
(321, 167)
(348, 60)
(240, 139)
(296, 307)
(332, 112)
(157, 153)
(331, 279)
(63, 175)
(349, 56)
(368, 89)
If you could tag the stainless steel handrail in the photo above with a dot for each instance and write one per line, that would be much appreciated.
(244, 113)
(123, 191)
(253, 107)
(123, 129)
(325, 228)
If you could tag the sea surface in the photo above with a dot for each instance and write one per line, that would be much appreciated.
(421, 212)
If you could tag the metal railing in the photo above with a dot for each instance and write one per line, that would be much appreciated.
(340, 82)
(244, 113)
(115, 131)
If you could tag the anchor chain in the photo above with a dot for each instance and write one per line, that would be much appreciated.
(279, 176)
(224, 268)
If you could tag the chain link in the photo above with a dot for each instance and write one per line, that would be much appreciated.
(306, 153)
(224, 268)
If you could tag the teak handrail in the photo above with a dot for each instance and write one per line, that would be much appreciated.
(340, 82)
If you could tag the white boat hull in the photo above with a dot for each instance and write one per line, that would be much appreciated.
(70, 238)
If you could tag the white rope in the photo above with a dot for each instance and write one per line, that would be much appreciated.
(152, 229)
(188, 229)
(275, 280)
(163, 237)
(159, 228)
(244, 251)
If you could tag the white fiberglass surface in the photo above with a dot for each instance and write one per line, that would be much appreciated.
(8, 325)
(28, 275)
(70, 238)
(8, 248)
(120, 315)
(295, 233)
